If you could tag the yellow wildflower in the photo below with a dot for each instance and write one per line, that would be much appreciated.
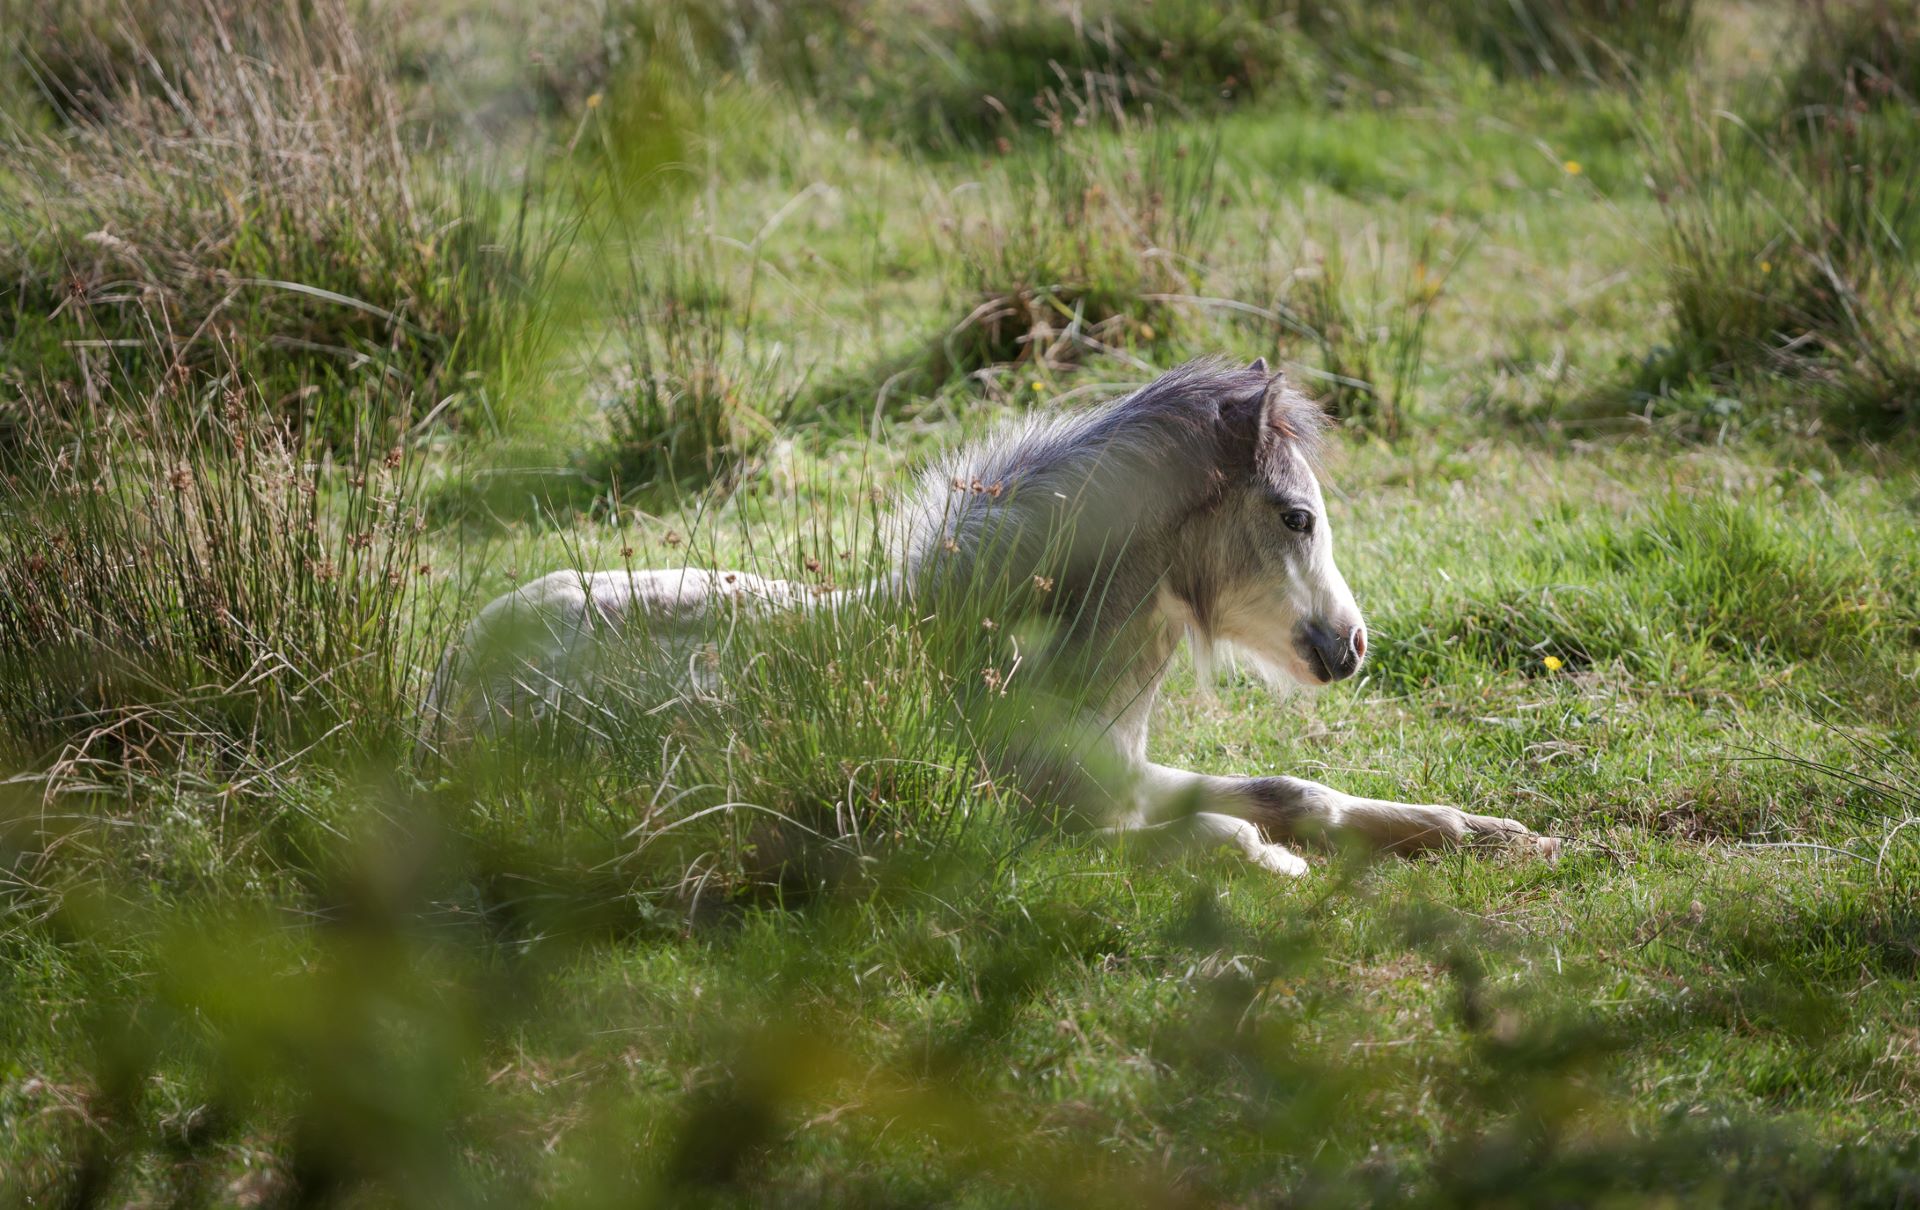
(1555, 663)
(1572, 167)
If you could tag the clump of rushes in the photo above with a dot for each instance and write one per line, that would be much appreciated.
(1592, 39)
(70, 53)
(1859, 54)
(217, 200)
(1088, 242)
(1789, 249)
(700, 394)
(190, 571)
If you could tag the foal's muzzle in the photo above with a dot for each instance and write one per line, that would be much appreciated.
(1332, 654)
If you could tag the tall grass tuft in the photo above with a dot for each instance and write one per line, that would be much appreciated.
(206, 199)
(972, 76)
(1789, 249)
(1859, 53)
(700, 394)
(1601, 40)
(70, 56)
(185, 570)
(1083, 244)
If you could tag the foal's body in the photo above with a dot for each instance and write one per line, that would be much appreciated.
(1186, 509)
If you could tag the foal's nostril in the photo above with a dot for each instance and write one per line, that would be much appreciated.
(1359, 642)
(1331, 655)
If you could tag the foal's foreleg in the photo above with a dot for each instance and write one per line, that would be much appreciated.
(1294, 809)
(1176, 811)
(1303, 810)
(1211, 829)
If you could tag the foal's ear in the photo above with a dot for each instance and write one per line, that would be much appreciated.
(1277, 416)
(1259, 365)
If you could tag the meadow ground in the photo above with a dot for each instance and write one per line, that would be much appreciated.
(319, 329)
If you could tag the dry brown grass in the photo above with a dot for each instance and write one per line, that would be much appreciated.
(201, 196)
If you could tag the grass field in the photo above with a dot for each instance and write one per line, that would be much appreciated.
(319, 327)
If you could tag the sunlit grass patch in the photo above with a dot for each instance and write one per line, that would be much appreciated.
(1670, 596)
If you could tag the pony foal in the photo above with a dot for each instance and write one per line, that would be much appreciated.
(1188, 508)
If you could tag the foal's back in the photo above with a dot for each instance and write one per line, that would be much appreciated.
(545, 646)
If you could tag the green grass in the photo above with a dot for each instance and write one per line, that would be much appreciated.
(1632, 576)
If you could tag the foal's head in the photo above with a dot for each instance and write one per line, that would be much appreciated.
(1263, 577)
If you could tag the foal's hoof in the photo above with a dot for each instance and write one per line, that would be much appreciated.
(1500, 830)
(1279, 859)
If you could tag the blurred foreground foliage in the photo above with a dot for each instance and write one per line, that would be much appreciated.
(434, 1028)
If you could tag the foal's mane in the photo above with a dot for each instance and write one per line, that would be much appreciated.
(1205, 407)
(1210, 393)
(1185, 432)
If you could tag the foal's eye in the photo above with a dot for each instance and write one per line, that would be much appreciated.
(1297, 519)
